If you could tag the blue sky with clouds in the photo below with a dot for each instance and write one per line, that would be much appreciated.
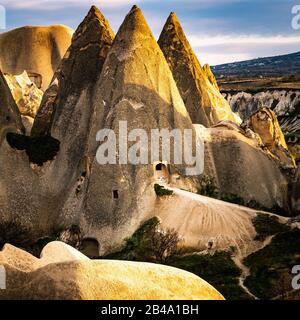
(219, 30)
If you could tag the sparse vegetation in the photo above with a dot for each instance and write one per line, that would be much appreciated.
(149, 243)
(161, 191)
(218, 269)
(272, 264)
(266, 225)
(208, 187)
(38, 149)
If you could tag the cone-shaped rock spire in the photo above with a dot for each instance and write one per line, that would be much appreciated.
(203, 100)
(79, 68)
(137, 86)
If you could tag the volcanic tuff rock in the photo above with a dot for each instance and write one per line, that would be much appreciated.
(79, 69)
(209, 74)
(238, 166)
(27, 96)
(10, 118)
(137, 86)
(197, 86)
(35, 195)
(54, 276)
(264, 122)
(38, 50)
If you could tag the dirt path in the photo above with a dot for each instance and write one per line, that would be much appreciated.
(238, 260)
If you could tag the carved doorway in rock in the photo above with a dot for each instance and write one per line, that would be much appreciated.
(161, 172)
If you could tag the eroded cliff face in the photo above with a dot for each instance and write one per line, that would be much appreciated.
(284, 103)
(264, 122)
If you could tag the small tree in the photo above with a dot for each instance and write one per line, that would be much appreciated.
(159, 245)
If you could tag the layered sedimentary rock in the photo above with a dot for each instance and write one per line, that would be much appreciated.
(38, 50)
(264, 122)
(197, 86)
(27, 96)
(64, 273)
(78, 71)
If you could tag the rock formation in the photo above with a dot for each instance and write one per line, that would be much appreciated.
(197, 86)
(200, 220)
(78, 71)
(284, 103)
(128, 79)
(137, 86)
(10, 118)
(264, 122)
(63, 273)
(209, 74)
(231, 161)
(38, 50)
(27, 96)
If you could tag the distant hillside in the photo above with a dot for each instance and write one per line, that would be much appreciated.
(284, 65)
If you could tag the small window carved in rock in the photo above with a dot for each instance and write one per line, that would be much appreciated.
(115, 194)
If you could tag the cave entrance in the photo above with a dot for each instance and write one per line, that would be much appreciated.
(90, 247)
(161, 172)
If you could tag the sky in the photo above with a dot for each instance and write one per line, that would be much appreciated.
(220, 31)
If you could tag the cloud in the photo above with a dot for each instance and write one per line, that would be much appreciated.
(231, 48)
(198, 41)
(56, 4)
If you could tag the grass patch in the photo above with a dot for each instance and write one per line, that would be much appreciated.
(38, 149)
(266, 225)
(271, 267)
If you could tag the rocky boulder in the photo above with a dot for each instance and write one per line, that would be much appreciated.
(38, 50)
(78, 278)
(264, 122)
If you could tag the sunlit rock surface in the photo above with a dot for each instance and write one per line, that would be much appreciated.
(71, 85)
(197, 85)
(27, 96)
(264, 122)
(38, 50)
(64, 273)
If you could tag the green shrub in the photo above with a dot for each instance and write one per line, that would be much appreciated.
(266, 225)
(161, 191)
(269, 265)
